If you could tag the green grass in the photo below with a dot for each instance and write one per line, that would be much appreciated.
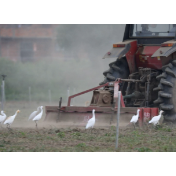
(77, 140)
(53, 139)
(61, 134)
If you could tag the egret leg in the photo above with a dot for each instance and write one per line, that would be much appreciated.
(159, 124)
(36, 124)
(91, 129)
(134, 125)
(146, 124)
(8, 127)
(1, 125)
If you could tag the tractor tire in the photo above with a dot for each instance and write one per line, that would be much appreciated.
(118, 69)
(167, 92)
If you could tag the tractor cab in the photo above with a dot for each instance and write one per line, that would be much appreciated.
(152, 30)
(145, 45)
(150, 33)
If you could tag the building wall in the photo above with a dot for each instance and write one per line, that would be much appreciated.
(28, 43)
(28, 30)
(10, 49)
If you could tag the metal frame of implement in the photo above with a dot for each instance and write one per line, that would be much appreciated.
(145, 114)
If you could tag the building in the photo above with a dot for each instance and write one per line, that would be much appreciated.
(28, 42)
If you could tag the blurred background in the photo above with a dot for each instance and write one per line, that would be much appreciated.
(44, 62)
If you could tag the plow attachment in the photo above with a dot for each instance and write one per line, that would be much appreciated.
(75, 116)
(105, 106)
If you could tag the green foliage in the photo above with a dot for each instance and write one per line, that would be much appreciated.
(113, 128)
(144, 149)
(41, 76)
(81, 145)
(22, 134)
(169, 148)
(107, 134)
(68, 141)
(164, 128)
(76, 134)
(61, 134)
(167, 129)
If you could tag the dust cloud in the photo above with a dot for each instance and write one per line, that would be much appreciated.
(41, 81)
(77, 66)
(86, 44)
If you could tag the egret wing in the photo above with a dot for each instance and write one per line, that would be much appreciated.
(154, 119)
(1, 118)
(8, 120)
(38, 117)
(33, 115)
(89, 124)
(4, 117)
(134, 118)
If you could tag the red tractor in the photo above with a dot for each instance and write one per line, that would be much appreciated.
(145, 67)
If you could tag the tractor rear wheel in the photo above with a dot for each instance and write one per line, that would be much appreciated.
(118, 69)
(167, 92)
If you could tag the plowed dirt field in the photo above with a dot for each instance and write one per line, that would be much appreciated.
(24, 137)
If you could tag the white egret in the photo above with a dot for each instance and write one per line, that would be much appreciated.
(135, 118)
(2, 117)
(39, 116)
(91, 122)
(10, 119)
(34, 113)
(155, 119)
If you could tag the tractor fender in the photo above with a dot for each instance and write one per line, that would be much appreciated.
(127, 48)
(165, 51)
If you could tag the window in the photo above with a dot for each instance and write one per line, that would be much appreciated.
(152, 30)
(26, 51)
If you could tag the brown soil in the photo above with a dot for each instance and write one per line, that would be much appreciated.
(52, 137)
